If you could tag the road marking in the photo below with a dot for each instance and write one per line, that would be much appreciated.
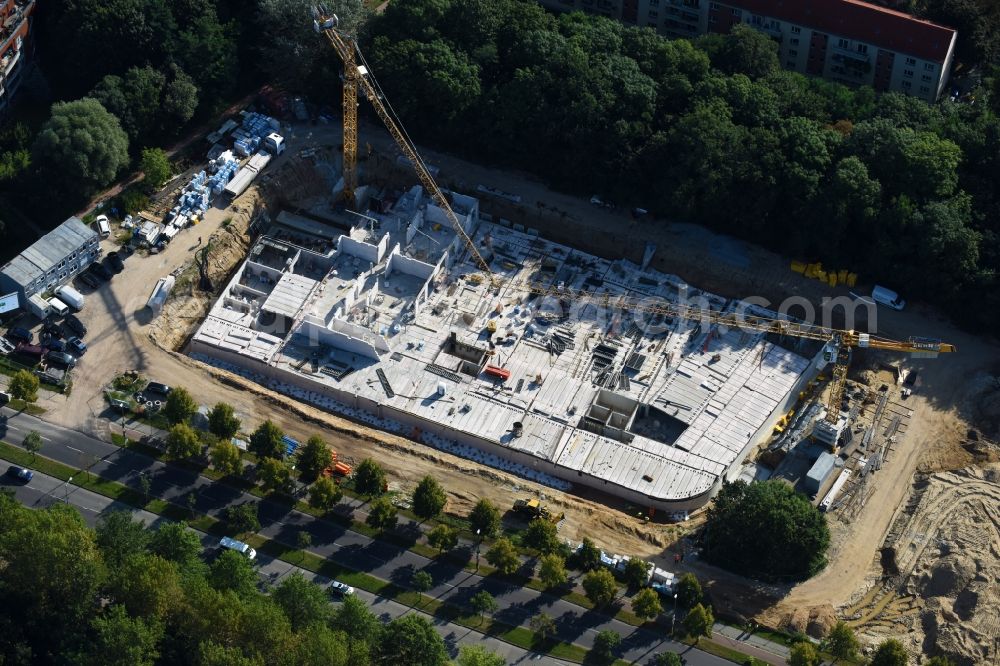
(73, 448)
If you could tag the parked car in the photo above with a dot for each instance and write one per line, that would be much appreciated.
(20, 473)
(61, 358)
(158, 388)
(115, 261)
(103, 226)
(55, 344)
(76, 346)
(74, 324)
(20, 334)
(100, 271)
(52, 328)
(4, 398)
(88, 280)
(339, 589)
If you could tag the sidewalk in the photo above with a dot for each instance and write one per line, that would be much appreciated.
(756, 646)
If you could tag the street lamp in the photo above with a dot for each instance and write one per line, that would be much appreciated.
(673, 616)
(479, 542)
(66, 496)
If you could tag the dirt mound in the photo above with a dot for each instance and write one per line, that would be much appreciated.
(815, 621)
(943, 598)
(187, 305)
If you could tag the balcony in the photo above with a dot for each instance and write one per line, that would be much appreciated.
(851, 54)
(14, 22)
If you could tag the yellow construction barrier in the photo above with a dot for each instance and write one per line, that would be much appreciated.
(798, 267)
(842, 275)
(832, 279)
(852, 279)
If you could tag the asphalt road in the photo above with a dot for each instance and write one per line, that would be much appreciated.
(378, 558)
(44, 490)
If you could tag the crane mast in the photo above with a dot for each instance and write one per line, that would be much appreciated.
(839, 342)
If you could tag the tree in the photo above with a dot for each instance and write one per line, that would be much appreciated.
(688, 591)
(318, 644)
(890, 652)
(503, 556)
(429, 498)
(32, 442)
(485, 519)
(226, 457)
(369, 478)
(354, 618)
(303, 601)
(176, 543)
(636, 572)
(243, 518)
(477, 655)
(222, 420)
(483, 603)
(147, 585)
(804, 653)
(81, 148)
(600, 587)
(324, 494)
(747, 51)
(155, 167)
(543, 625)
(314, 457)
(119, 537)
(303, 539)
(698, 622)
(421, 581)
(646, 603)
(841, 642)
(412, 640)
(541, 535)
(382, 515)
(605, 644)
(442, 537)
(668, 659)
(120, 640)
(939, 661)
(274, 475)
(23, 386)
(179, 406)
(552, 570)
(766, 529)
(146, 484)
(588, 556)
(266, 442)
(233, 571)
(182, 442)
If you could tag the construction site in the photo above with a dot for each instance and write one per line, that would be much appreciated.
(619, 381)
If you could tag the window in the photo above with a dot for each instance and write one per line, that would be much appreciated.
(737, 12)
(794, 41)
(790, 64)
(713, 5)
(843, 43)
(711, 20)
(653, 14)
(908, 73)
(795, 29)
(928, 67)
(924, 89)
(926, 78)
(907, 85)
(793, 53)
(911, 61)
(757, 20)
(651, 24)
(862, 48)
(654, 3)
(775, 25)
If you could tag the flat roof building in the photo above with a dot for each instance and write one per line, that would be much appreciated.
(853, 42)
(15, 47)
(392, 324)
(52, 260)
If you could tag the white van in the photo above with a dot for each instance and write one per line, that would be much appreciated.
(103, 226)
(70, 296)
(888, 298)
(58, 307)
(238, 546)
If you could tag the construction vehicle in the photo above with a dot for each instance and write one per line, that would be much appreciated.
(838, 343)
(532, 508)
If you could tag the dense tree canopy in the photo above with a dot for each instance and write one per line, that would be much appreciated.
(766, 530)
(712, 132)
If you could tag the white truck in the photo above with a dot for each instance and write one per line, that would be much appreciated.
(70, 296)
(274, 143)
(238, 546)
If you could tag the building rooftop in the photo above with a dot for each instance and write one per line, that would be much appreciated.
(662, 408)
(884, 27)
(48, 251)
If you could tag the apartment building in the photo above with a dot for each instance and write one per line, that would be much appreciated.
(15, 47)
(54, 259)
(849, 41)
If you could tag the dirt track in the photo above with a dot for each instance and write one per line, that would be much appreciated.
(119, 341)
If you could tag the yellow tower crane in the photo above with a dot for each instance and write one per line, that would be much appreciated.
(839, 343)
